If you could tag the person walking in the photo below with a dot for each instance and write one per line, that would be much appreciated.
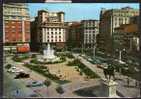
(128, 81)
(136, 83)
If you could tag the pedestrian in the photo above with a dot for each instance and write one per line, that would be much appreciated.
(136, 83)
(127, 81)
(17, 92)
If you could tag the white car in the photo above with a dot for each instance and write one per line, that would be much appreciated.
(13, 67)
(12, 70)
(21, 70)
(15, 70)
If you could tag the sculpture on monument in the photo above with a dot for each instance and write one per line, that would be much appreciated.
(109, 72)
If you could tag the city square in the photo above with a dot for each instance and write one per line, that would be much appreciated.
(49, 52)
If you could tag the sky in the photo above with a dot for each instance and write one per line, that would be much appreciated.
(77, 11)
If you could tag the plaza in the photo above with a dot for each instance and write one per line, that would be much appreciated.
(87, 57)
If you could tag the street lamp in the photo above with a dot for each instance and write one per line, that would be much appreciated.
(94, 48)
(82, 50)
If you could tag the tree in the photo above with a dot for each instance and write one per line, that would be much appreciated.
(60, 90)
(47, 83)
(8, 66)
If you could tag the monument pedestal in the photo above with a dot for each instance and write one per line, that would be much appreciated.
(108, 88)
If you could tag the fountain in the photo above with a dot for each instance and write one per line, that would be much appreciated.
(48, 55)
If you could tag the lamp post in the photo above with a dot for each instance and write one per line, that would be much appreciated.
(82, 50)
(94, 48)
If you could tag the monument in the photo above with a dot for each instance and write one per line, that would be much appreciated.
(108, 87)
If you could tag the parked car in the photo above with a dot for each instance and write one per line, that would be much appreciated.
(35, 84)
(11, 70)
(15, 70)
(33, 95)
(22, 75)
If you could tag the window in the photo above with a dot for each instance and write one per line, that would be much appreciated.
(13, 26)
(6, 21)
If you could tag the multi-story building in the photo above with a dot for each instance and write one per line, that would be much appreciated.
(90, 29)
(127, 36)
(111, 19)
(74, 35)
(16, 23)
(49, 27)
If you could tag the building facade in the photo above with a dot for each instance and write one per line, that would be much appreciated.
(111, 19)
(49, 27)
(90, 29)
(127, 36)
(75, 36)
(16, 23)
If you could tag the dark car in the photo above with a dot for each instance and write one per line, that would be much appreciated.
(22, 75)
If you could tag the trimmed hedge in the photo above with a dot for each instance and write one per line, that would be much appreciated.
(17, 58)
(69, 55)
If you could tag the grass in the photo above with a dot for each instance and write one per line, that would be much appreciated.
(83, 68)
